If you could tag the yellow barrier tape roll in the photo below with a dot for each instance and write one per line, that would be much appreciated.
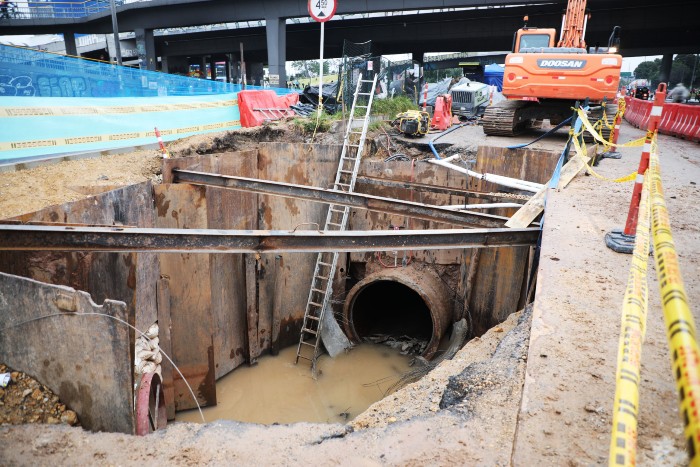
(587, 125)
(14, 145)
(623, 441)
(581, 151)
(680, 326)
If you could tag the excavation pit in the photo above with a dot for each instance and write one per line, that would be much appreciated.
(220, 311)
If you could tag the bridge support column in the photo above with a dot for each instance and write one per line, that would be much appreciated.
(665, 69)
(256, 73)
(276, 30)
(69, 42)
(146, 49)
(212, 67)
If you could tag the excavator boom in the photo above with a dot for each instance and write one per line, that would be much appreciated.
(573, 27)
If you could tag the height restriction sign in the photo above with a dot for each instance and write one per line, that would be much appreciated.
(322, 10)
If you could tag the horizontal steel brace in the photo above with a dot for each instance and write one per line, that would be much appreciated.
(127, 239)
(439, 189)
(354, 200)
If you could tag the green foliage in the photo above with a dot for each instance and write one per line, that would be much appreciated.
(681, 71)
(392, 106)
(309, 125)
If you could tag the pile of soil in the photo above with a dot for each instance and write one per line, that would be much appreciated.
(25, 400)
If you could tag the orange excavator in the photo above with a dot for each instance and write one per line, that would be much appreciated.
(543, 81)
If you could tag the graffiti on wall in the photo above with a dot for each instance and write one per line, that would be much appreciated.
(16, 86)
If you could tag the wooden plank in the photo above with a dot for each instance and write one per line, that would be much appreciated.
(535, 205)
(184, 206)
(165, 344)
(84, 359)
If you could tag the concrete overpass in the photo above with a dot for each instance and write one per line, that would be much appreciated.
(649, 27)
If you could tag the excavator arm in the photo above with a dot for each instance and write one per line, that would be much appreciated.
(573, 28)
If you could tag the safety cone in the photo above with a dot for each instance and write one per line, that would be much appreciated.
(163, 150)
(622, 241)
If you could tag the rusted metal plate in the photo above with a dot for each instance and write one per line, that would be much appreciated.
(285, 279)
(230, 209)
(184, 206)
(52, 333)
(499, 276)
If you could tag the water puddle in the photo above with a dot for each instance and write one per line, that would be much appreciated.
(278, 391)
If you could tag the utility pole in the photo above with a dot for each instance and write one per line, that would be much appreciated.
(115, 30)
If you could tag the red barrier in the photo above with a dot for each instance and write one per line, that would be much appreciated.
(681, 120)
(442, 114)
(256, 107)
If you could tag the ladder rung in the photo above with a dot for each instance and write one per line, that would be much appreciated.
(318, 290)
(345, 171)
(333, 223)
(365, 93)
(344, 184)
(322, 278)
(366, 81)
(325, 264)
(307, 343)
(313, 317)
(337, 210)
(315, 304)
(305, 358)
(350, 158)
(310, 331)
(361, 106)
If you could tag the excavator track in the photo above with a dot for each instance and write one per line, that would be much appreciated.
(505, 118)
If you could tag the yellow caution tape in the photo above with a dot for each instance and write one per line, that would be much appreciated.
(581, 151)
(15, 145)
(587, 125)
(680, 326)
(7, 111)
(623, 441)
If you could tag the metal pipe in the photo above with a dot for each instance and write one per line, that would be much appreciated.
(498, 179)
(123, 239)
(483, 206)
(342, 198)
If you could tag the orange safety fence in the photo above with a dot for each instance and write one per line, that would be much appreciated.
(681, 120)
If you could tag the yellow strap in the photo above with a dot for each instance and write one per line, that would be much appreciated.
(623, 440)
(582, 153)
(587, 125)
(680, 324)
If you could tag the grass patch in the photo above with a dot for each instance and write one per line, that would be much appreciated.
(392, 106)
(308, 125)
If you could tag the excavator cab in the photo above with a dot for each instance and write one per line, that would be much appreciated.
(533, 38)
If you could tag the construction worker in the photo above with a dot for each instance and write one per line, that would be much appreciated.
(679, 94)
(4, 5)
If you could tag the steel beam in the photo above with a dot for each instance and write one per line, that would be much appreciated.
(125, 239)
(354, 200)
(440, 189)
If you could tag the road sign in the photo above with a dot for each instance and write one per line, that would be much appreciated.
(322, 10)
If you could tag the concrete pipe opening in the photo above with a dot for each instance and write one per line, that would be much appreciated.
(399, 302)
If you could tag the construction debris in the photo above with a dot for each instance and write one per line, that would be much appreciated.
(406, 345)
(25, 400)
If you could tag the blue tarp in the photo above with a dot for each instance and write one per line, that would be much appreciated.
(493, 75)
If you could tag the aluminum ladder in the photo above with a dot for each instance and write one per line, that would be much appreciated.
(321, 289)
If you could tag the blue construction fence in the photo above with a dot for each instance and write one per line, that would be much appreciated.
(52, 104)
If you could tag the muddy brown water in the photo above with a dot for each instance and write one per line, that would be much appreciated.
(278, 391)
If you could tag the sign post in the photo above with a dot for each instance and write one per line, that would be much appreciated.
(321, 11)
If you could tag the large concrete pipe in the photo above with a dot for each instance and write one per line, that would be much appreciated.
(399, 302)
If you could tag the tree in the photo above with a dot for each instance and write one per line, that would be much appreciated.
(648, 70)
(309, 68)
